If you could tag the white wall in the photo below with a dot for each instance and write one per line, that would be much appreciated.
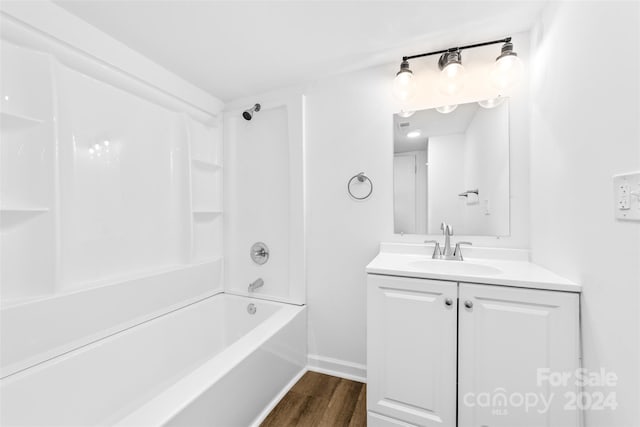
(584, 129)
(349, 130)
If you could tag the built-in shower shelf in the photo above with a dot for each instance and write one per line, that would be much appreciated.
(208, 212)
(12, 216)
(206, 164)
(23, 209)
(11, 121)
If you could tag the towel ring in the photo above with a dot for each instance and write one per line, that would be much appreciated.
(361, 177)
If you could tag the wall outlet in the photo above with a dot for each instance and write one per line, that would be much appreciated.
(626, 189)
(623, 196)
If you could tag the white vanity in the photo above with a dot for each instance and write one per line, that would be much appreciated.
(493, 340)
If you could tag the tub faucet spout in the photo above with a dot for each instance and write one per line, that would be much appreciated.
(255, 285)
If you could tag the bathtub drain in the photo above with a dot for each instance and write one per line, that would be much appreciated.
(251, 308)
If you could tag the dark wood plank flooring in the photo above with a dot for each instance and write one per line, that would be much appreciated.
(323, 401)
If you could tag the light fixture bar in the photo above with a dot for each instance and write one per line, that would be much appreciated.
(453, 49)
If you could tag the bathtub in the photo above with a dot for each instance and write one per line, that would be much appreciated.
(211, 363)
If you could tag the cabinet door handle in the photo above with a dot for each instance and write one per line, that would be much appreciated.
(468, 304)
(448, 302)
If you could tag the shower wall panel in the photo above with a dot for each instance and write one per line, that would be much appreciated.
(264, 198)
(261, 196)
(123, 182)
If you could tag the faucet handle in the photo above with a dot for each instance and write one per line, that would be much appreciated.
(437, 253)
(457, 252)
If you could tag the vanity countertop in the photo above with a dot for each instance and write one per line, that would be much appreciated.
(502, 267)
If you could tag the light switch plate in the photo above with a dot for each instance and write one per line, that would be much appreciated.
(626, 190)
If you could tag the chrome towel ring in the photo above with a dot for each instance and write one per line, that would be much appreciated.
(361, 178)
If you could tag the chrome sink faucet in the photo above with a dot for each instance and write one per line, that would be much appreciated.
(447, 253)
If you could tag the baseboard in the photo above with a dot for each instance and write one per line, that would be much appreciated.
(267, 410)
(337, 368)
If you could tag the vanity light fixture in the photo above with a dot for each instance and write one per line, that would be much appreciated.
(505, 74)
(414, 133)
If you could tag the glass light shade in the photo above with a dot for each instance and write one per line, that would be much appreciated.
(452, 79)
(446, 109)
(404, 86)
(405, 114)
(491, 103)
(507, 72)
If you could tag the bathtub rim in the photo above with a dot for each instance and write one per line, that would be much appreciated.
(263, 297)
(165, 406)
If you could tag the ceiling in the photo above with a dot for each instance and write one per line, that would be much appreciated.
(234, 49)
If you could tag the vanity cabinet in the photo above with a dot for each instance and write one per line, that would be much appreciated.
(411, 350)
(482, 360)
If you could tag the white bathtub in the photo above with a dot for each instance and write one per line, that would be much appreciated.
(211, 363)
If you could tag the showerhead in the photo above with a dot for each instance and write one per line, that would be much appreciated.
(248, 114)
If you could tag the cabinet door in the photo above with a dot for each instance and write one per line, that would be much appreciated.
(411, 350)
(507, 338)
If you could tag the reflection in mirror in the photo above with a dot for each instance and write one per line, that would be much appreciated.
(452, 164)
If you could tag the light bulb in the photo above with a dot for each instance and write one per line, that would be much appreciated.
(452, 76)
(404, 84)
(507, 69)
(491, 103)
(414, 133)
(446, 109)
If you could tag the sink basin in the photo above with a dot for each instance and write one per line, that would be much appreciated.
(455, 267)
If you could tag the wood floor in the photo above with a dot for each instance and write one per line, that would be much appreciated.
(321, 400)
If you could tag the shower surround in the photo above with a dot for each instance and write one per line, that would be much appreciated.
(113, 267)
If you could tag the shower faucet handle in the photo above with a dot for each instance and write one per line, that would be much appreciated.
(259, 253)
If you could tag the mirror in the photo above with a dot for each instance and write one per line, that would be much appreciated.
(453, 166)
